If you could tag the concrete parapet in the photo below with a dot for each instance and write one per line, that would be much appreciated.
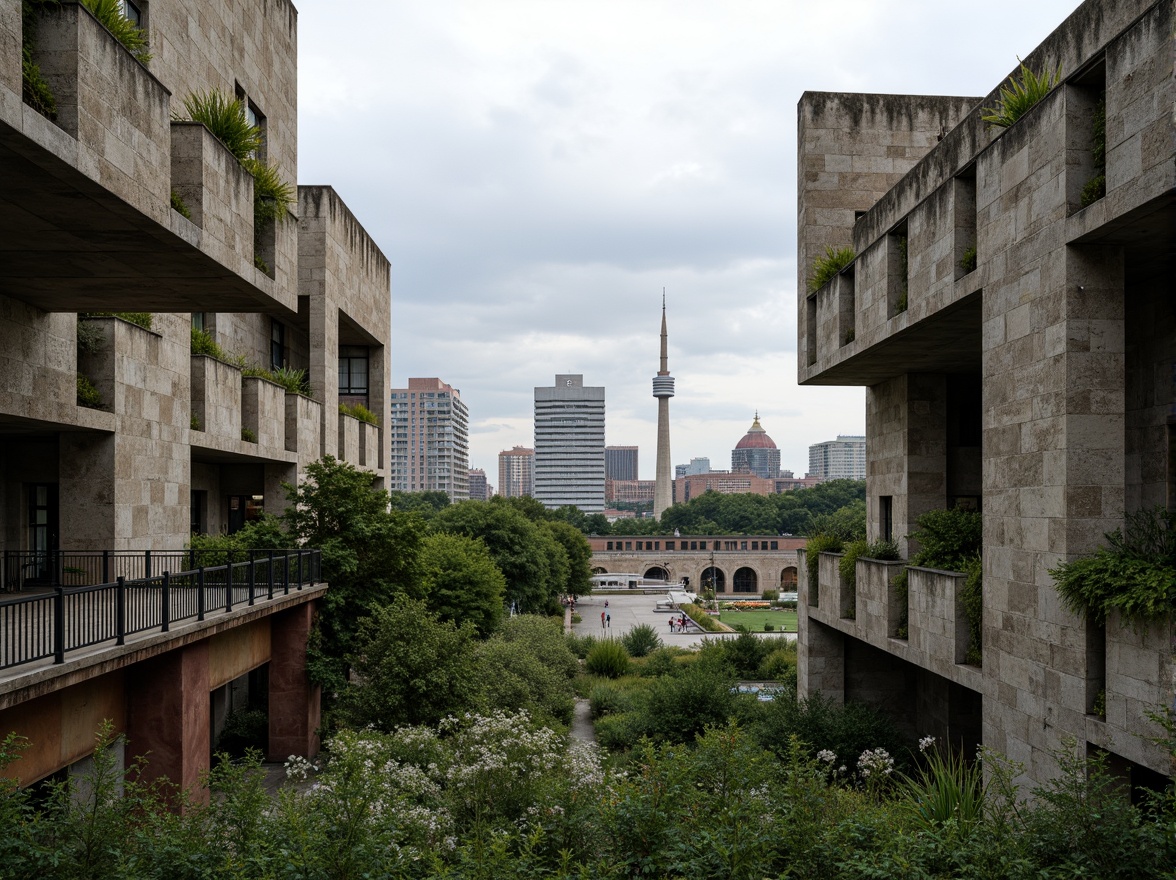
(369, 446)
(348, 449)
(263, 411)
(112, 104)
(877, 598)
(303, 424)
(216, 397)
(218, 192)
(937, 624)
(10, 48)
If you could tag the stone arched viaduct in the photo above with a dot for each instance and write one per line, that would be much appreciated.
(743, 564)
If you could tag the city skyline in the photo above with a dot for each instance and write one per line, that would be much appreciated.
(537, 173)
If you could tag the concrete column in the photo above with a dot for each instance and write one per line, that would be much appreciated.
(821, 662)
(294, 703)
(168, 715)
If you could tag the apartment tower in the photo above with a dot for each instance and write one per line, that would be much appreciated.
(430, 428)
(516, 472)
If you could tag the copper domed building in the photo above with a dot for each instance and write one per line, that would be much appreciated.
(756, 453)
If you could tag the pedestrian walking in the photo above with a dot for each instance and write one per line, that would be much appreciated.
(608, 620)
(602, 620)
(671, 624)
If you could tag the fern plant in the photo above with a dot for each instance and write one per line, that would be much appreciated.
(825, 268)
(1014, 100)
(225, 118)
(110, 15)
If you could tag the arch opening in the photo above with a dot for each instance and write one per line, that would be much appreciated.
(714, 579)
(746, 581)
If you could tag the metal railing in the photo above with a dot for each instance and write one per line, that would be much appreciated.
(51, 624)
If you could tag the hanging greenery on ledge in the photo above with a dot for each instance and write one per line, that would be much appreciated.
(110, 15)
(1015, 99)
(1134, 574)
(826, 267)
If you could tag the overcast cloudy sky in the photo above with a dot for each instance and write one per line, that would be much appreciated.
(538, 170)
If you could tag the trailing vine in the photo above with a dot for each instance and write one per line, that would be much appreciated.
(1135, 574)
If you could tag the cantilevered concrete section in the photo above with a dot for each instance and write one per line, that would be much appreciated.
(1013, 325)
(663, 390)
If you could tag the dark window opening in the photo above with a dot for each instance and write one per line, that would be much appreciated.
(277, 345)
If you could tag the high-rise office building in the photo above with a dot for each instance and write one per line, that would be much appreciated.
(430, 439)
(756, 453)
(840, 459)
(569, 444)
(620, 462)
(516, 472)
(479, 488)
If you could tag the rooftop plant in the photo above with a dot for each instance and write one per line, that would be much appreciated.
(34, 89)
(1096, 187)
(225, 117)
(139, 319)
(110, 15)
(359, 411)
(88, 394)
(180, 206)
(1021, 93)
(1134, 574)
(825, 268)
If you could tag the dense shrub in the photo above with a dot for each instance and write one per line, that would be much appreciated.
(827, 265)
(846, 731)
(608, 658)
(1135, 574)
(641, 640)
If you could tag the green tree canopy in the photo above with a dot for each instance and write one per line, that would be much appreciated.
(411, 668)
(579, 556)
(521, 550)
(461, 582)
(425, 503)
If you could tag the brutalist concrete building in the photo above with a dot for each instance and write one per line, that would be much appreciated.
(168, 441)
(1017, 343)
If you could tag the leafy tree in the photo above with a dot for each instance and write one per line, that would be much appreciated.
(528, 665)
(848, 523)
(520, 549)
(369, 556)
(411, 668)
(579, 555)
(427, 504)
(461, 582)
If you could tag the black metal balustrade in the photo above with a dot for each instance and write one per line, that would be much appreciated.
(53, 623)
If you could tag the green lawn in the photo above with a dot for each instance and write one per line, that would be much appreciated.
(782, 621)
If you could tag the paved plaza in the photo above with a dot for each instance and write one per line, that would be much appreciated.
(630, 610)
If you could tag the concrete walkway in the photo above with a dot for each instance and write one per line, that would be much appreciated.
(630, 610)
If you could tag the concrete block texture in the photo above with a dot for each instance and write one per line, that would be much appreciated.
(216, 397)
(117, 110)
(10, 47)
(1058, 415)
(263, 411)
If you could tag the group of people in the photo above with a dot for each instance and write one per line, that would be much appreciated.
(679, 624)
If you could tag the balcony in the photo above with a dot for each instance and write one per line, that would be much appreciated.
(85, 216)
(875, 611)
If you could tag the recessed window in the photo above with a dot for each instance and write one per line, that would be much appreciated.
(132, 13)
(277, 345)
(353, 370)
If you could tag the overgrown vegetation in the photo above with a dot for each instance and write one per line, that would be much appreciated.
(827, 266)
(1096, 187)
(225, 117)
(950, 540)
(292, 380)
(35, 91)
(847, 567)
(248, 435)
(146, 320)
(968, 261)
(359, 411)
(1134, 575)
(204, 344)
(1019, 95)
(88, 394)
(818, 544)
(180, 206)
(110, 15)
